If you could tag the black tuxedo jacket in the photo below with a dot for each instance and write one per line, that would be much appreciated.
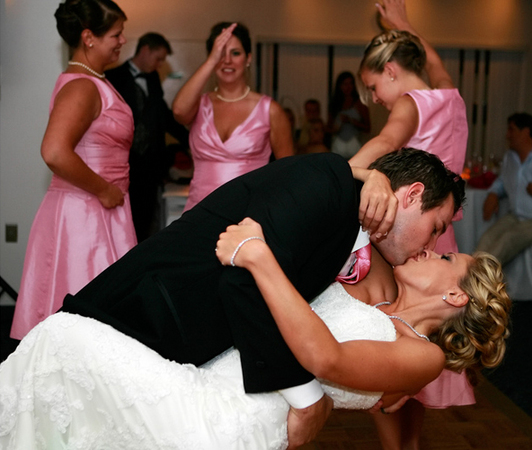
(171, 293)
(151, 115)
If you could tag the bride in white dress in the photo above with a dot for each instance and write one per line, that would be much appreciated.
(75, 383)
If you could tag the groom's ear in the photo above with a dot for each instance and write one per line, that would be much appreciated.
(413, 194)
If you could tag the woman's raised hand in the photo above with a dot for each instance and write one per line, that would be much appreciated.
(230, 240)
(393, 14)
(220, 42)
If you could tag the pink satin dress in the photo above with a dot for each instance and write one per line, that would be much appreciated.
(443, 131)
(217, 162)
(73, 237)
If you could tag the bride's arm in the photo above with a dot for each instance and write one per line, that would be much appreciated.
(365, 365)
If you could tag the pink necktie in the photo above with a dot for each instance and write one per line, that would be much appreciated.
(361, 261)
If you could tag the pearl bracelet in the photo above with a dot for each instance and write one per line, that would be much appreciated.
(241, 244)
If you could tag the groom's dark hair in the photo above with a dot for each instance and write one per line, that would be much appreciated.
(408, 165)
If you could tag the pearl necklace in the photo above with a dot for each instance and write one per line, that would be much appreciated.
(403, 321)
(76, 63)
(232, 100)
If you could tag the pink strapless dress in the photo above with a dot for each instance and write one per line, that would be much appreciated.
(217, 162)
(442, 130)
(73, 237)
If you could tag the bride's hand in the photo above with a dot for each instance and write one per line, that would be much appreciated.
(230, 240)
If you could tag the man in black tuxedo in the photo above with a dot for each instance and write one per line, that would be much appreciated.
(137, 80)
(171, 293)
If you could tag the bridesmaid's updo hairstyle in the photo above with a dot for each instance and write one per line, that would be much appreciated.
(401, 47)
(240, 32)
(476, 338)
(74, 16)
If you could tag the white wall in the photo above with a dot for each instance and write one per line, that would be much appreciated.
(31, 57)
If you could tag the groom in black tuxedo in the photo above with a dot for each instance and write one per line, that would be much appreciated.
(171, 293)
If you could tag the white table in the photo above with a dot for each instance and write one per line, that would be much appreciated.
(468, 231)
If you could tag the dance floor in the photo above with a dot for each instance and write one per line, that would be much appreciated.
(494, 422)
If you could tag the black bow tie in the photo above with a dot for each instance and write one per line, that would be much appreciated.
(141, 75)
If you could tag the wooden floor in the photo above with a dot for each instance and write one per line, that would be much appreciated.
(494, 423)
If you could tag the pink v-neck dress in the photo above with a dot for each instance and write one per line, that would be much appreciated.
(443, 131)
(217, 162)
(73, 237)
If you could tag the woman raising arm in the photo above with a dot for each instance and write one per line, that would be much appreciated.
(233, 130)
(391, 69)
(430, 117)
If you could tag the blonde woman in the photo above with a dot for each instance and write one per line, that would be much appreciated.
(430, 117)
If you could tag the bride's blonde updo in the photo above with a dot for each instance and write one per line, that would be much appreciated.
(476, 338)
(401, 47)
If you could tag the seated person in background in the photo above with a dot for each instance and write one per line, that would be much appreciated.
(512, 233)
(137, 80)
(316, 138)
(312, 110)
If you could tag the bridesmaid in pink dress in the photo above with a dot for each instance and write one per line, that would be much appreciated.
(232, 129)
(427, 117)
(84, 222)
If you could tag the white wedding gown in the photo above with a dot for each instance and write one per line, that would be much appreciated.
(75, 383)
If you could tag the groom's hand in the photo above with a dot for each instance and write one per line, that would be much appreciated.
(305, 424)
(378, 205)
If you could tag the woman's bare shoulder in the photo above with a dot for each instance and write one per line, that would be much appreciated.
(78, 88)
